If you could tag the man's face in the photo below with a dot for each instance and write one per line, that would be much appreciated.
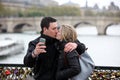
(52, 30)
(59, 34)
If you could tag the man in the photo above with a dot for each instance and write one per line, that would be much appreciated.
(44, 57)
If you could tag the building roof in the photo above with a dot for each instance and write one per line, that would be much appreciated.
(71, 4)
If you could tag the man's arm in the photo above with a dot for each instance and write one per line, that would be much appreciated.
(80, 47)
(29, 60)
(34, 49)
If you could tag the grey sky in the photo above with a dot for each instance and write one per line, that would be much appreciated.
(91, 3)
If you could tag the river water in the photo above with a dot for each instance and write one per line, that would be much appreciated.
(104, 50)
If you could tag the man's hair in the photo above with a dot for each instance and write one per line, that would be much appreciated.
(46, 22)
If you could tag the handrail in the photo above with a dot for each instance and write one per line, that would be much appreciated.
(12, 65)
(96, 67)
(22, 65)
(108, 67)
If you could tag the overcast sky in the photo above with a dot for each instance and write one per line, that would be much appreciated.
(91, 3)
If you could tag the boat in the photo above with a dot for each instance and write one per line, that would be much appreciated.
(10, 47)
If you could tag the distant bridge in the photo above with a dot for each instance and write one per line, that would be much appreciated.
(33, 23)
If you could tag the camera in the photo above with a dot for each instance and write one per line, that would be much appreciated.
(42, 40)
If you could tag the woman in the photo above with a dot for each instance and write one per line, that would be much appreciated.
(68, 63)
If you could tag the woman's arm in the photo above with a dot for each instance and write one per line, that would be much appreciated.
(77, 45)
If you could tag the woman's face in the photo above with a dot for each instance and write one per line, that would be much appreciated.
(59, 34)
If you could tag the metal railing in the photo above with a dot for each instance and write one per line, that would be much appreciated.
(20, 72)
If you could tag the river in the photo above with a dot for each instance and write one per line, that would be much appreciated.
(104, 50)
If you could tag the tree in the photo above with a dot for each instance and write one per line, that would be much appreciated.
(2, 10)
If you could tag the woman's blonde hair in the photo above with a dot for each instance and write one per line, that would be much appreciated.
(68, 33)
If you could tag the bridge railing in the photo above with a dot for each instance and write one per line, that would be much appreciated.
(20, 72)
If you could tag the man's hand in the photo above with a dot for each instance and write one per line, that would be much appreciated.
(40, 48)
(70, 46)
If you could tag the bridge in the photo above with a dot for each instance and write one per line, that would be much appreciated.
(16, 24)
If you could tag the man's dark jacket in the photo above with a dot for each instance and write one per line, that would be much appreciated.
(45, 65)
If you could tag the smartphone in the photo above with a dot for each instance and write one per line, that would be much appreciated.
(42, 40)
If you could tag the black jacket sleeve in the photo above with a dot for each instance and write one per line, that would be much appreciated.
(72, 69)
(28, 59)
(80, 48)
